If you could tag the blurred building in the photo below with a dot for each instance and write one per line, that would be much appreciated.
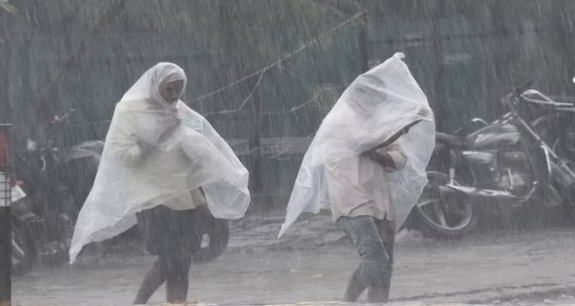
(253, 79)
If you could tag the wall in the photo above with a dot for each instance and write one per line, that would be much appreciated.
(465, 54)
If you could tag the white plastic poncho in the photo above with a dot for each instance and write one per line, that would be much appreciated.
(374, 108)
(127, 184)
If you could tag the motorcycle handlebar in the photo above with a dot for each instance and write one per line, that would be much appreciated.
(520, 89)
(517, 91)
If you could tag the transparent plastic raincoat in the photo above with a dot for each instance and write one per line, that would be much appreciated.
(127, 181)
(370, 113)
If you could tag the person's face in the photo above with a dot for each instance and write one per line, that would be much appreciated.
(171, 91)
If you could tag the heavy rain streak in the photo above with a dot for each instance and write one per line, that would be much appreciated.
(257, 152)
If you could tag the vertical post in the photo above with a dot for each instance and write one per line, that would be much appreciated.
(5, 219)
(5, 197)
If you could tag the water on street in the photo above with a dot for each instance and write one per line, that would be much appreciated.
(503, 268)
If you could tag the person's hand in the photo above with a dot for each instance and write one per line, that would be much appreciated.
(169, 123)
(179, 118)
(423, 112)
(172, 120)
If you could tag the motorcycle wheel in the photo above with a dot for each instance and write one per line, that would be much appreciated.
(444, 218)
(215, 235)
(24, 252)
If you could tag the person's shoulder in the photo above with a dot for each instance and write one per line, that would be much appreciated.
(134, 105)
(183, 107)
(189, 113)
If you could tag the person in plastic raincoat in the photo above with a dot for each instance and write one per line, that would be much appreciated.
(361, 204)
(161, 161)
(367, 163)
(167, 229)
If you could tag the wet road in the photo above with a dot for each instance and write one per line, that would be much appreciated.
(496, 268)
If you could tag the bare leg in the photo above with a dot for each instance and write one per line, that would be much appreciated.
(152, 281)
(177, 282)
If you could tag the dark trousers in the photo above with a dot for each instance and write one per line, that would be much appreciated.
(374, 240)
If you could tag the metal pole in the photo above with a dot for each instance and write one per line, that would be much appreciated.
(5, 196)
(5, 219)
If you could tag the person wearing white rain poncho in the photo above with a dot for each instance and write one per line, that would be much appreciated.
(160, 162)
(367, 161)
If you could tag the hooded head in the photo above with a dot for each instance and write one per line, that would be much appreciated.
(164, 83)
(366, 96)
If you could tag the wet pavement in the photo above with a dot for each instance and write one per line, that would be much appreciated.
(497, 268)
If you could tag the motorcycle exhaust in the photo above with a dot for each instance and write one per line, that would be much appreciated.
(486, 193)
(564, 176)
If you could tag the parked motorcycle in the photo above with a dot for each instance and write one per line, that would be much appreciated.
(23, 245)
(554, 119)
(506, 161)
(53, 186)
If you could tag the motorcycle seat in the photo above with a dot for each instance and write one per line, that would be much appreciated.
(454, 141)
